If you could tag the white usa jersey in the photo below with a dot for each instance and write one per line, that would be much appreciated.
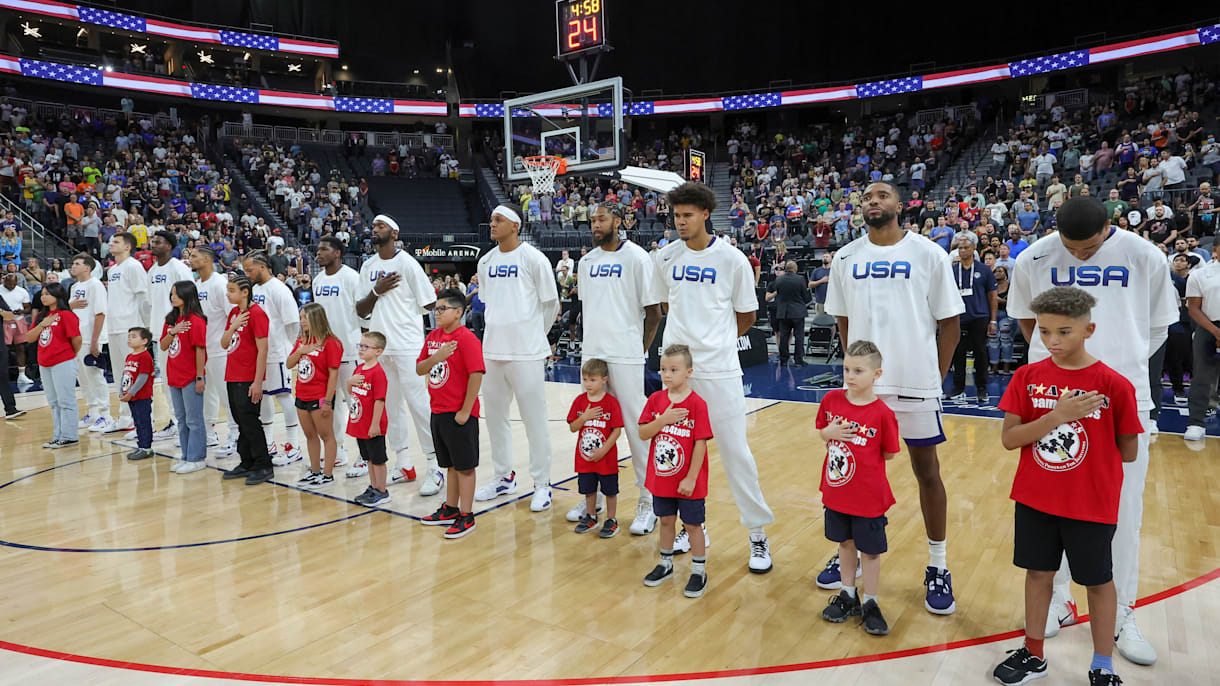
(284, 320)
(337, 295)
(94, 293)
(705, 290)
(893, 295)
(1136, 300)
(214, 300)
(127, 296)
(522, 301)
(615, 287)
(398, 313)
(161, 279)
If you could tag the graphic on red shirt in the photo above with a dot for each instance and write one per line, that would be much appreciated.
(595, 432)
(449, 378)
(853, 477)
(243, 351)
(54, 342)
(135, 365)
(180, 370)
(672, 450)
(313, 369)
(1075, 470)
(364, 395)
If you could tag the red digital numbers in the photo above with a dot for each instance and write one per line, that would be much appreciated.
(581, 27)
(583, 32)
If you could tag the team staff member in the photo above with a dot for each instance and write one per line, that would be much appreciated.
(128, 307)
(88, 300)
(166, 271)
(978, 288)
(277, 301)
(394, 295)
(213, 290)
(1203, 304)
(518, 286)
(335, 288)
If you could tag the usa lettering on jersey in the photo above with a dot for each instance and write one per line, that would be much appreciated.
(693, 273)
(881, 269)
(328, 290)
(503, 270)
(1091, 276)
(159, 278)
(606, 270)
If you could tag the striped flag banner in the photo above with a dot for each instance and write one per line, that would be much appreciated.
(965, 76)
(817, 95)
(148, 84)
(1144, 46)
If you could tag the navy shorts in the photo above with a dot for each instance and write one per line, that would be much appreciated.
(457, 445)
(1042, 539)
(587, 484)
(868, 533)
(690, 511)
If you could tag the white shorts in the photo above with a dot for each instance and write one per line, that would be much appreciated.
(918, 419)
(277, 379)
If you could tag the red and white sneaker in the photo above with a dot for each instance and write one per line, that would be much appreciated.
(1062, 613)
(462, 525)
(403, 476)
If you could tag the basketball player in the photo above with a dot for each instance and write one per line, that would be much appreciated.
(127, 307)
(334, 288)
(621, 317)
(277, 301)
(166, 271)
(394, 295)
(213, 290)
(709, 286)
(88, 301)
(1136, 303)
(518, 286)
(896, 288)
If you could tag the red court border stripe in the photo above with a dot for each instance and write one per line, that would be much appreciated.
(752, 671)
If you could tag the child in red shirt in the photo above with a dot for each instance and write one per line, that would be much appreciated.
(599, 419)
(316, 356)
(58, 336)
(452, 359)
(1075, 421)
(861, 434)
(245, 339)
(366, 420)
(136, 389)
(184, 339)
(676, 421)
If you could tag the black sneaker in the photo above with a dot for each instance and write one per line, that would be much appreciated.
(870, 617)
(238, 472)
(376, 498)
(1021, 667)
(320, 481)
(14, 414)
(587, 523)
(696, 584)
(445, 515)
(1097, 678)
(309, 478)
(258, 476)
(139, 454)
(64, 443)
(462, 525)
(841, 607)
(609, 529)
(658, 574)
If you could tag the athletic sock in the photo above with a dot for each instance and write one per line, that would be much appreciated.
(850, 591)
(864, 598)
(697, 565)
(292, 434)
(1034, 646)
(1103, 662)
(667, 559)
(268, 433)
(936, 554)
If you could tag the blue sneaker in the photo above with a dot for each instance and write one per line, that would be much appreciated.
(940, 592)
(829, 577)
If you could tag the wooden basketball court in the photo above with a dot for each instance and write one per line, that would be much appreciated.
(126, 562)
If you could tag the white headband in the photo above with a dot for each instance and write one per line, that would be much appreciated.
(506, 212)
(387, 219)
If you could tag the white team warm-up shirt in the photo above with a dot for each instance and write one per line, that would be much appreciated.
(398, 313)
(127, 297)
(94, 293)
(337, 295)
(893, 295)
(160, 280)
(214, 300)
(1202, 283)
(705, 290)
(1136, 300)
(284, 319)
(522, 301)
(615, 287)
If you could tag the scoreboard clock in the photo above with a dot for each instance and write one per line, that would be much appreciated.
(580, 26)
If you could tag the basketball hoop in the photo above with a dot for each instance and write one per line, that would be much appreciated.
(543, 169)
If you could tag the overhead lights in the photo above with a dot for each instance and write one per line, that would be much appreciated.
(31, 31)
(345, 67)
(246, 57)
(416, 71)
(137, 48)
(294, 67)
(109, 68)
(82, 32)
(440, 71)
(205, 58)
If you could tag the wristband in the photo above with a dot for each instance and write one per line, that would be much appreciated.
(199, 378)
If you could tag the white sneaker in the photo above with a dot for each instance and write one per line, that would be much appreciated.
(103, 425)
(358, 469)
(575, 514)
(645, 521)
(1195, 433)
(213, 439)
(541, 500)
(85, 422)
(23, 379)
(340, 457)
(188, 467)
(682, 540)
(227, 450)
(272, 449)
(133, 435)
(128, 425)
(434, 480)
(760, 553)
(1130, 642)
(170, 431)
(504, 485)
(1062, 613)
(291, 454)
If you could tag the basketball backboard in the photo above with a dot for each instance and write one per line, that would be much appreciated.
(583, 124)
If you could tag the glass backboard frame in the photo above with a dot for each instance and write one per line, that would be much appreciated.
(566, 96)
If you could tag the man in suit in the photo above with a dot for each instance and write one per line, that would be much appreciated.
(790, 293)
(6, 390)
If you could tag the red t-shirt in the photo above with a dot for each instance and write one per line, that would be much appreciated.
(853, 476)
(243, 352)
(670, 454)
(448, 379)
(180, 370)
(364, 395)
(594, 434)
(1075, 471)
(821, 234)
(313, 370)
(54, 344)
(137, 364)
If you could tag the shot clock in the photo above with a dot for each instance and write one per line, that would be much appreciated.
(580, 26)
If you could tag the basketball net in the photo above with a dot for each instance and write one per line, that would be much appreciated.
(542, 170)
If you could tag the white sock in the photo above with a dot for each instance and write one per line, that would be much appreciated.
(293, 434)
(268, 430)
(849, 590)
(936, 554)
(864, 598)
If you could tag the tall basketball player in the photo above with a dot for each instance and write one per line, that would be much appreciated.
(166, 271)
(334, 288)
(518, 286)
(213, 290)
(1136, 303)
(88, 301)
(622, 312)
(127, 303)
(394, 295)
(709, 286)
(277, 301)
(896, 289)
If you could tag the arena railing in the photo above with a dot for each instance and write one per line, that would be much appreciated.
(376, 139)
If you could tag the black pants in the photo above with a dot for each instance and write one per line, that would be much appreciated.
(6, 389)
(1178, 356)
(251, 442)
(974, 338)
(1156, 369)
(788, 327)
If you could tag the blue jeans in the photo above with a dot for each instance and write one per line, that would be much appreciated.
(141, 414)
(188, 415)
(999, 347)
(59, 382)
